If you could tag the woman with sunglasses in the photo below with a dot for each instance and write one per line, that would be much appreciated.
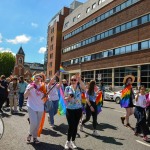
(35, 106)
(74, 109)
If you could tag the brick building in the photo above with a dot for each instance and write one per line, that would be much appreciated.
(110, 38)
(27, 70)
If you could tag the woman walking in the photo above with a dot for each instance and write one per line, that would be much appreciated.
(35, 106)
(140, 115)
(127, 99)
(74, 109)
(91, 107)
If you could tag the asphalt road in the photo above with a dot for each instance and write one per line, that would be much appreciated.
(113, 135)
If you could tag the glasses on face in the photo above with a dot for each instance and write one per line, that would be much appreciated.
(73, 80)
(38, 78)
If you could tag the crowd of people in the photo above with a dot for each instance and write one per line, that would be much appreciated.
(42, 97)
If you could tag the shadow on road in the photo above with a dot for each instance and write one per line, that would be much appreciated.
(106, 139)
(50, 132)
(108, 107)
(19, 114)
(101, 126)
(62, 128)
(5, 115)
(48, 146)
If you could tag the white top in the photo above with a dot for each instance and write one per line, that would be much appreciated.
(141, 101)
(53, 94)
(34, 100)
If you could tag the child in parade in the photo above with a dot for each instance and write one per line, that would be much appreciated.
(74, 109)
(35, 106)
(140, 115)
(91, 107)
(127, 99)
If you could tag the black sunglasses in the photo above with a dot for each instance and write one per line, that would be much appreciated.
(73, 80)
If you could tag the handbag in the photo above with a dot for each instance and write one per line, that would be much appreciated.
(47, 106)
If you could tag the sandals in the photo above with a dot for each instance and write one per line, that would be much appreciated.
(29, 138)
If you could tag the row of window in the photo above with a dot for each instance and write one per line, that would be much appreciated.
(100, 18)
(117, 51)
(110, 32)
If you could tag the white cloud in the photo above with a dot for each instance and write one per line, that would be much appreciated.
(1, 38)
(6, 50)
(20, 39)
(42, 50)
(35, 25)
(41, 39)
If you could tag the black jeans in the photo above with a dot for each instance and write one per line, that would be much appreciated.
(148, 116)
(2, 100)
(140, 115)
(89, 113)
(73, 117)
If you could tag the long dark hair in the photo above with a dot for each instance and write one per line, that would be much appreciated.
(91, 87)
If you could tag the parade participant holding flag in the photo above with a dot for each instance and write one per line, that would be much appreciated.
(74, 109)
(91, 107)
(127, 98)
(35, 104)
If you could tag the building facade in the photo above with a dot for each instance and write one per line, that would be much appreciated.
(22, 68)
(108, 39)
(54, 37)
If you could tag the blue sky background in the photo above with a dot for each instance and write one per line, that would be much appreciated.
(24, 22)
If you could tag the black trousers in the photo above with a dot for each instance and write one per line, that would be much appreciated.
(2, 100)
(89, 113)
(148, 116)
(140, 115)
(73, 117)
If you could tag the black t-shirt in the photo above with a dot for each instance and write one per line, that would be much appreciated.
(3, 91)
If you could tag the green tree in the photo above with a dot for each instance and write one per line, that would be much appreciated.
(7, 63)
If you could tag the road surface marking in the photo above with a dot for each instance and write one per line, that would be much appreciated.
(143, 143)
(120, 111)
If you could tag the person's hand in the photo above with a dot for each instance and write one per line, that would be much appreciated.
(78, 77)
(92, 109)
(70, 98)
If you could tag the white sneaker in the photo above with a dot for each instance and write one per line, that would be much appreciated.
(95, 133)
(73, 145)
(81, 127)
(67, 145)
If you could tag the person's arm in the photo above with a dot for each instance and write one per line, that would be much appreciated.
(89, 104)
(82, 85)
(137, 97)
(27, 91)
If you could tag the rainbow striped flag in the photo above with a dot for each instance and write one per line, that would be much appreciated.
(125, 96)
(99, 102)
(62, 103)
(61, 69)
(83, 98)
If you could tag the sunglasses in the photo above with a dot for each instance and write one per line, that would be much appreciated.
(73, 80)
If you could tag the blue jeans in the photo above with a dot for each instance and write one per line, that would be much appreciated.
(53, 111)
(21, 99)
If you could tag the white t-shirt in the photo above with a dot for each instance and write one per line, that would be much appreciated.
(53, 94)
(141, 101)
(34, 100)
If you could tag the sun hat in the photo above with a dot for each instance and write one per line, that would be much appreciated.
(129, 76)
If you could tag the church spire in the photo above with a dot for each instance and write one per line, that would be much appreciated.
(20, 51)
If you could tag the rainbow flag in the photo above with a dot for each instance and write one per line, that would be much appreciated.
(125, 96)
(62, 103)
(61, 69)
(83, 98)
(99, 102)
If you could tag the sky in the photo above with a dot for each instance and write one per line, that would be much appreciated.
(24, 23)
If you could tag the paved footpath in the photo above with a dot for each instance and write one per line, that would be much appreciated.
(113, 135)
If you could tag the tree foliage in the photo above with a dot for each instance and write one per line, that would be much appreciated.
(7, 63)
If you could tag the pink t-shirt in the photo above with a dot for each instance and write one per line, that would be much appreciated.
(34, 100)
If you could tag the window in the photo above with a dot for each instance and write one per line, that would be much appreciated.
(105, 54)
(111, 12)
(100, 1)
(50, 64)
(134, 23)
(144, 19)
(88, 10)
(98, 37)
(51, 56)
(102, 17)
(52, 38)
(118, 8)
(74, 19)
(110, 53)
(128, 3)
(123, 6)
(106, 34)
(122, 50)
(93, 57)
(128, 25)
(79, 15)
(117, 51)
(123, 27)
(52, 30)
(102, 35)
(97, 55)
(134, 47)
(128, 48)
(118, 29)
(51, 47)
(93, 39)
(66, 24)
(107, 14)
(145, 45)
(94, 5)
(110, 32)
